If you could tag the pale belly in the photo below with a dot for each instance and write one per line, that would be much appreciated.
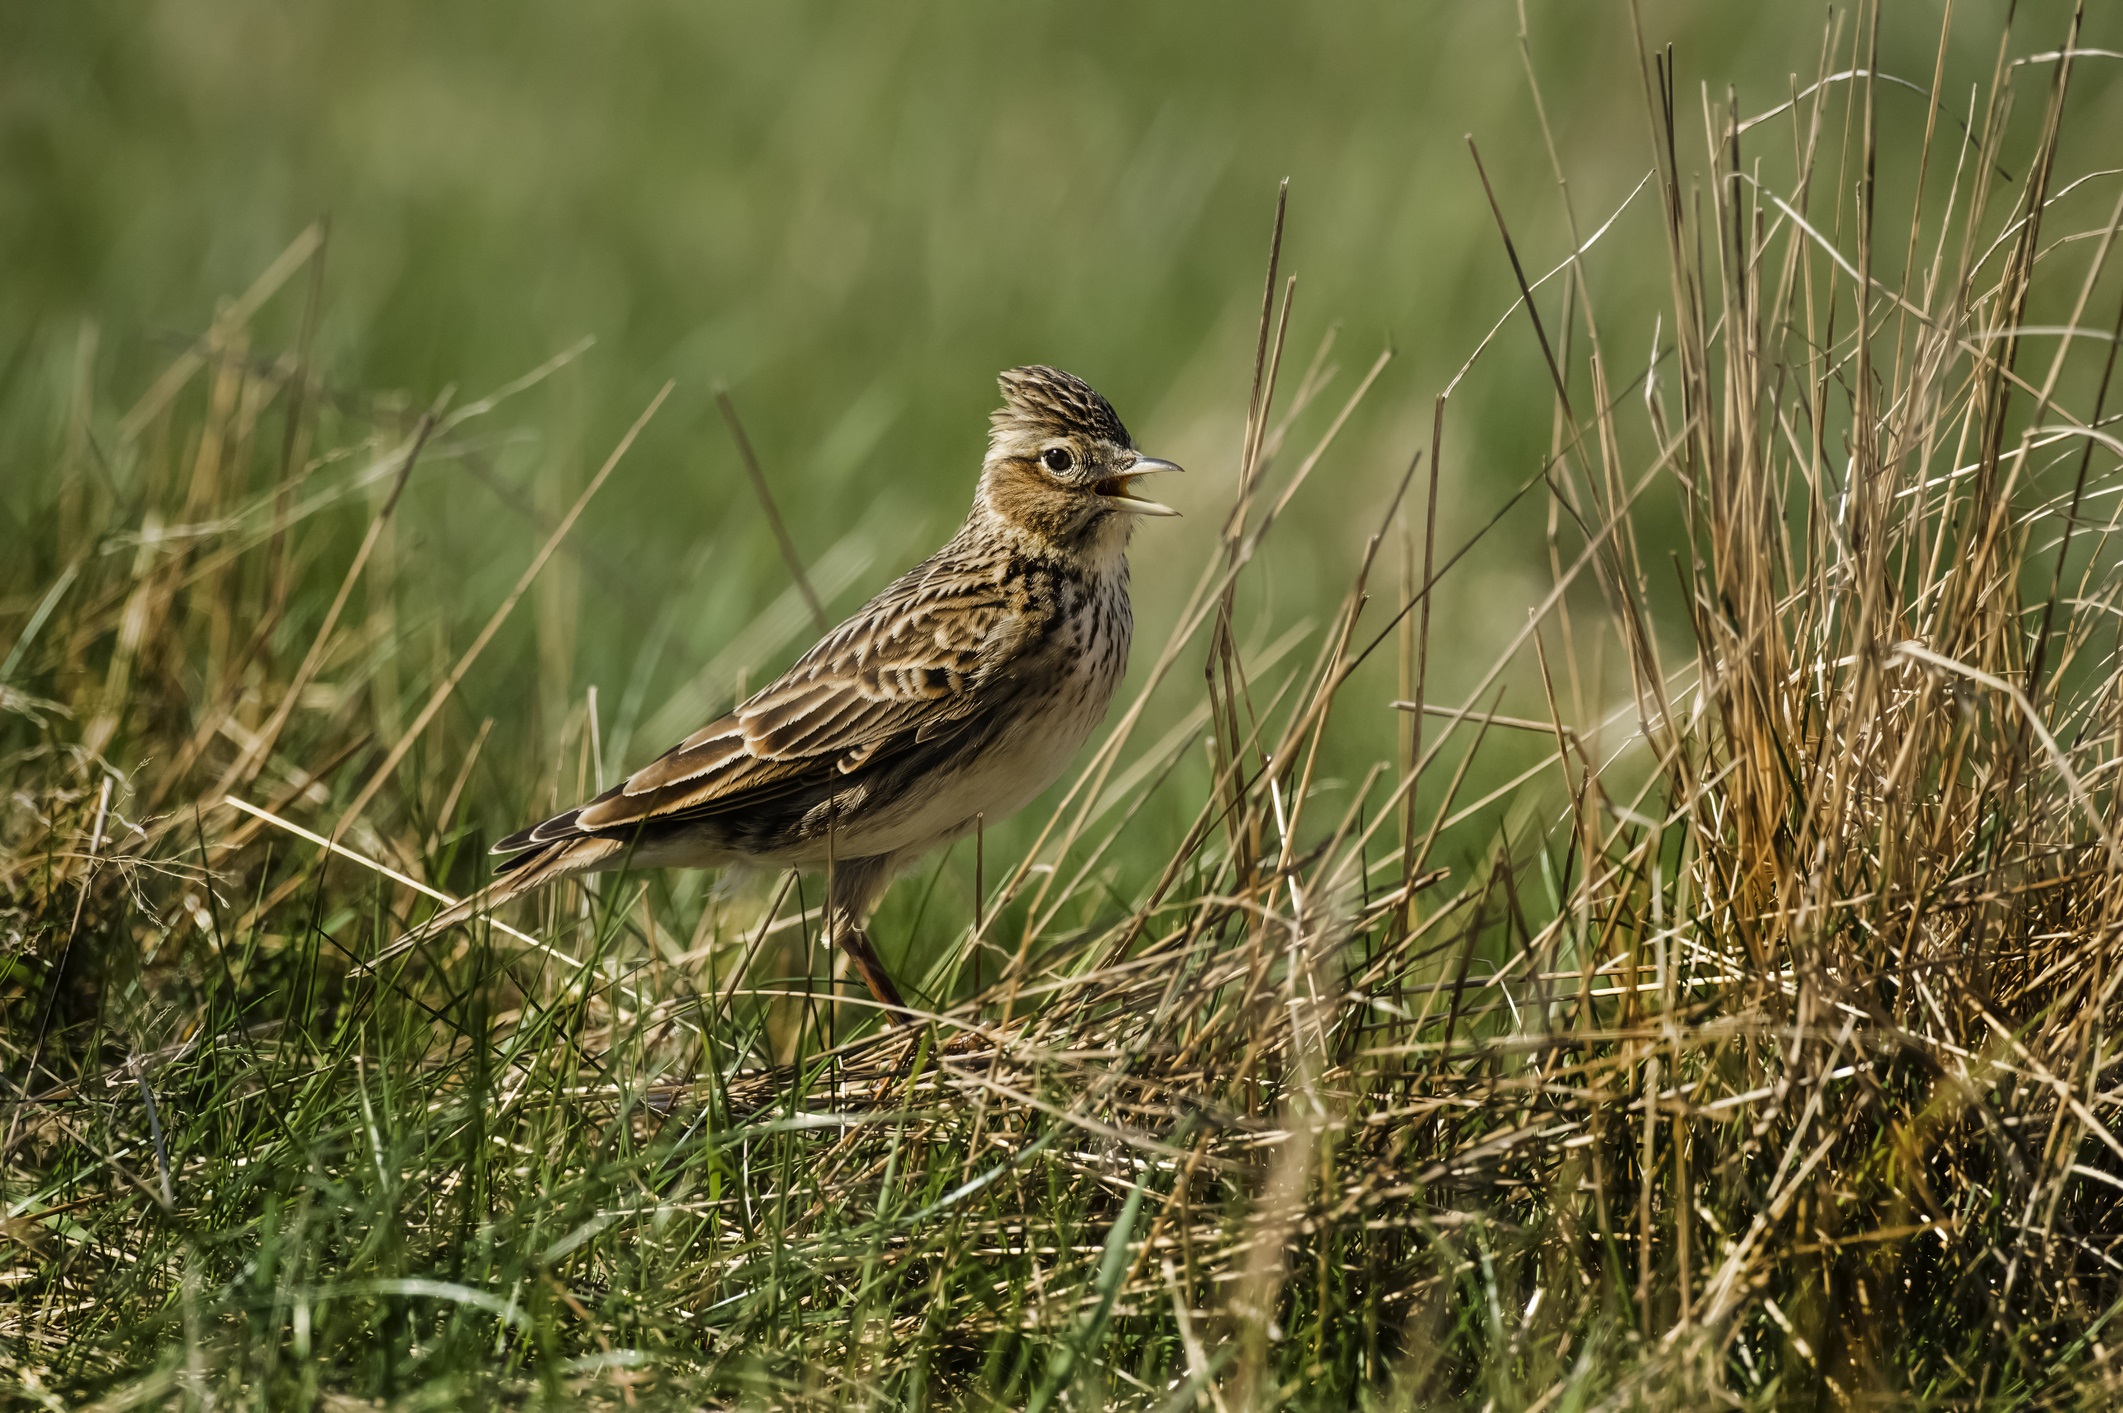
(999, 781)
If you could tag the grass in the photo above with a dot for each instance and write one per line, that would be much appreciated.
(1747, 1046)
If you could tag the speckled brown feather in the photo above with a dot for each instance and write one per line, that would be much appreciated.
(918, 666)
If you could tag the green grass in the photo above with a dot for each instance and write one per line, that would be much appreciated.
(1670, 969)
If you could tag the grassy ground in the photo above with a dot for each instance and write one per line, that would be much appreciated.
(1696, 997)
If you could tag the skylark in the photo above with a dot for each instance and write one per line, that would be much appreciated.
(960, 692)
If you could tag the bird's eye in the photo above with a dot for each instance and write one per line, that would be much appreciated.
(1056, 459)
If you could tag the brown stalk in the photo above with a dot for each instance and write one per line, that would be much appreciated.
(760, 488)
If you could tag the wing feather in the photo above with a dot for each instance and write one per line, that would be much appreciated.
(917, 663)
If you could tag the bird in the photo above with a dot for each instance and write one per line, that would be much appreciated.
(955, 696)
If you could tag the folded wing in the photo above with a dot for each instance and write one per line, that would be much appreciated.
(917, 664)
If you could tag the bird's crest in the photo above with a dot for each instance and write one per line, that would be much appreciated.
(1041, 403)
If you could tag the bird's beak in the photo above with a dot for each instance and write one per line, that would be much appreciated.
(1118, 490)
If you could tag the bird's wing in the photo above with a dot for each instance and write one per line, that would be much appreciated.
(918, 662)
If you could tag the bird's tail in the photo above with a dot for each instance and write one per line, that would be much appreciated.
(530, 870)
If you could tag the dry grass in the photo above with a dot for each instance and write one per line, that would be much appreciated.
(1758, 1054)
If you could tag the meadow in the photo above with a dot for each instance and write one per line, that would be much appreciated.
(1603, 887)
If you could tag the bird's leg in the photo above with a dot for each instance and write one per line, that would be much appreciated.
(855, 941)
(856, 886)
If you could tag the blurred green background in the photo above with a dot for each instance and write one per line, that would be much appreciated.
(853, 215)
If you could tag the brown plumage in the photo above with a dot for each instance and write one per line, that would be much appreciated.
(960, 691)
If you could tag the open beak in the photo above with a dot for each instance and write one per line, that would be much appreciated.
(1118, 491)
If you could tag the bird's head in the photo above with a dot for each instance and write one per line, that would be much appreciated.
(1060, 465)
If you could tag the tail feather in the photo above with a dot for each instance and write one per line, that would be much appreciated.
(529, 870)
